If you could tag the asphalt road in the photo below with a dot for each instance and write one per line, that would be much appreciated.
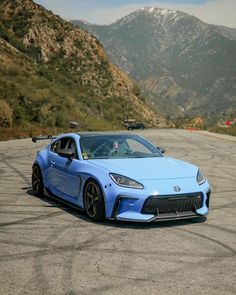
(48, 248)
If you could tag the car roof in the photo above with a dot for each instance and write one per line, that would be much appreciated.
(104, 133)
(86, 134)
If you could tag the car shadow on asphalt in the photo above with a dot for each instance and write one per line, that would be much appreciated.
(79, 213)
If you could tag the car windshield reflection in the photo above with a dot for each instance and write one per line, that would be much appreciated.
(117, 147)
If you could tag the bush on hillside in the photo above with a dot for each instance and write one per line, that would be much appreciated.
(6, 114)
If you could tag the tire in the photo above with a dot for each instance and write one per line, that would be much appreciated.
(93, 201)
(37, 181)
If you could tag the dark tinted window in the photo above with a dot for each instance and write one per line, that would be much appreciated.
(64, 143)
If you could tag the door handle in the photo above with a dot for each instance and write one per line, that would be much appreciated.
(53, 163)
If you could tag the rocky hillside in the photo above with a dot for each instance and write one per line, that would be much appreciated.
(52, 72)
(185, 66)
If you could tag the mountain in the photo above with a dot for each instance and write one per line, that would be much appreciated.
(184, 66)
(52, 72)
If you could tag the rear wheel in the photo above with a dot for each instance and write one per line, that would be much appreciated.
(37, 181)
(93, 201)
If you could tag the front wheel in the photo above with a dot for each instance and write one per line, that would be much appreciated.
(93, 201)
(37, 181)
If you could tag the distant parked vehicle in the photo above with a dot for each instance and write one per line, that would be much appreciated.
(128, 122)
(135, 125)
(74, 125)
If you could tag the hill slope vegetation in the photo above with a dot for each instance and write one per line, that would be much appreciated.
(52, 72)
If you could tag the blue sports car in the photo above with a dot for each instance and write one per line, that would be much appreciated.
(119, 176)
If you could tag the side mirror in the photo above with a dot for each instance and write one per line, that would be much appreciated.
(161, 149)
(66, 153)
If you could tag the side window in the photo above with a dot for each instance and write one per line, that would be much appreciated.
(72, 146)
(55, 146)
(65, 143)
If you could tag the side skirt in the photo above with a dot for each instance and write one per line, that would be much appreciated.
(49, 194)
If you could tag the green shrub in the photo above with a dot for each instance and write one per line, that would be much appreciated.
(4, 34)
(6, 114)
(34, 51)
(60, 38)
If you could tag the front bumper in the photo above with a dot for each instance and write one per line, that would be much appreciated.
(177, 206)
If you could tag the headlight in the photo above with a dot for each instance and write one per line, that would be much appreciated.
(200, 177)
(125, 181)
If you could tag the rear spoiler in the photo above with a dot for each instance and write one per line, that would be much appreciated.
(36, 138)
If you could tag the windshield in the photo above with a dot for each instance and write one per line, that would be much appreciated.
(117, 146)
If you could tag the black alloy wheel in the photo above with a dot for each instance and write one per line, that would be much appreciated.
(37, 181)
(93, 201)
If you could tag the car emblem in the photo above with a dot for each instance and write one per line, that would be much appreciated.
(176, 188)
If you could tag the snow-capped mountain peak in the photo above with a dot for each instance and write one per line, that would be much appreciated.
(159, 14)
(175, 57)
(157, 10)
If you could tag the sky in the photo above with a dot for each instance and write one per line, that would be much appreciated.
(219, 12)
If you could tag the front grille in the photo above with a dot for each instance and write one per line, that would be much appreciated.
(172, 203)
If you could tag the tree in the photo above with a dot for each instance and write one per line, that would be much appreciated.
(6, 114)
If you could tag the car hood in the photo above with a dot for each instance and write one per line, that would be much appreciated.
(148, 168)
